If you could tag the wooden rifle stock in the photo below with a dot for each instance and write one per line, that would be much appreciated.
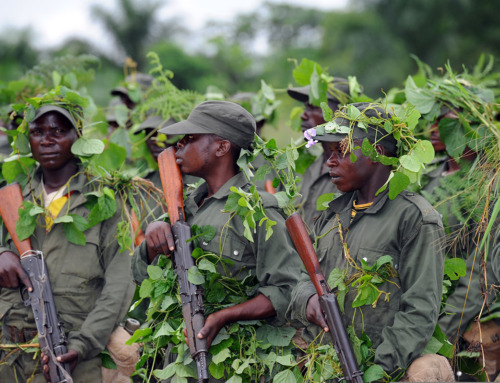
(171, 181)
(193, 310)
(327, 299)
(12, 199)
(300, 237)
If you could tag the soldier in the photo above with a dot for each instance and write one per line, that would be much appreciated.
(128, 94)
(362, 226)
(215, 132)
(316, 180)
(90, 283)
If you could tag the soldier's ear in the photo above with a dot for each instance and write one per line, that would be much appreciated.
(223, 148)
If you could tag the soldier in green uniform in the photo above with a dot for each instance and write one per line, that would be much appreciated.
(316, 180)
(362, 226)
(215, 132)
(91, 283)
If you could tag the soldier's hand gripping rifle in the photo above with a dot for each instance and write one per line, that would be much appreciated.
(50, 331)
(191, 295)
(327, 299)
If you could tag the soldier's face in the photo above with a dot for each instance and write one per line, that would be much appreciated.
(153, 146)
(311, 117)
(196, 153)
(348, 176)
(51, 137)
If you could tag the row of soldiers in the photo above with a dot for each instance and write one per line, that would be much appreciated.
(92, 281)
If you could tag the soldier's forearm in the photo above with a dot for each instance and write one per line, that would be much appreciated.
(259, 307)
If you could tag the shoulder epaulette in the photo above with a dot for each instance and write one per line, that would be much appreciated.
(429, 214)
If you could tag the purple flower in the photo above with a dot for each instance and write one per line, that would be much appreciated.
(311, 143)
(309, 134)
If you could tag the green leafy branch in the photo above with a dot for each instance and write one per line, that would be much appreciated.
(163, 98)
(249, 206)
(366, 281)
(242, 351)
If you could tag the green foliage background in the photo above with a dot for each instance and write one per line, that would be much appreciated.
(369, 39)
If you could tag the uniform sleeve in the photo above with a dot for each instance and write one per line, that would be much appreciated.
(140, 263)
(421, 276)
(116, 296)
(278, 265)
(301, 294)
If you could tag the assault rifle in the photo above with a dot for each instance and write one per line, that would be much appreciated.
(191, 295)
(50, 331)
(327, 299)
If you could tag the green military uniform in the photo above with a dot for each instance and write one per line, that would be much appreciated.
(274, 262)
(409, 230)
(315, 182)
(91, 285)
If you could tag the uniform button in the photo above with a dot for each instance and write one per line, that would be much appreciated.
(235, 252)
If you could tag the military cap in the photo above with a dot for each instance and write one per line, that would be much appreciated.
(154, 122)
(302, 93)
(44, 109)
(143, 80)
(336, 131)
(222, 118)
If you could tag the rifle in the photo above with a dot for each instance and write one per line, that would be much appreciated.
(50, 331)
(191, 295)
(327, 299)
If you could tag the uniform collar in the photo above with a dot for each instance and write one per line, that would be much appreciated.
(76, 186)
(343, 206)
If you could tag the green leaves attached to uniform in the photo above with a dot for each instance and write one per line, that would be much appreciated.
(25, 226)
(248, 205)
(74, 226)
(102, 205)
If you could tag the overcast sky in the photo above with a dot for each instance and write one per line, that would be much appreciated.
(53, 21)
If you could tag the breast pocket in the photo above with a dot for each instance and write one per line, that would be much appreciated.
(238, 257)
(371, 256)
(84, 261)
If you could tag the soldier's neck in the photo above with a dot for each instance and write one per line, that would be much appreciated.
(54, 179)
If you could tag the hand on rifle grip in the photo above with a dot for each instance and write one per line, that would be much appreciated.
(71, 357)
(314, 313)
(11, 272)
(159, 240)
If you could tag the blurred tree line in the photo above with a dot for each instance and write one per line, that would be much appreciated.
(370, 39)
